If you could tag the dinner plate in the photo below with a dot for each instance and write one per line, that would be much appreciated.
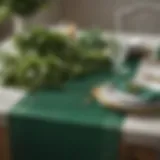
(116, 99)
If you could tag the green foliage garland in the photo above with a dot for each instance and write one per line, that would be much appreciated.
(50, 58)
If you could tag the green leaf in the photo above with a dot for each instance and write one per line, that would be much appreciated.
(4, 13)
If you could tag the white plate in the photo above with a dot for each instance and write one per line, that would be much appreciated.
(111, 96)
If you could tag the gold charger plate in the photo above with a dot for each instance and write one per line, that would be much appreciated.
(138, 107)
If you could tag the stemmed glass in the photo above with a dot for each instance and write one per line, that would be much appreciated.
(119, 69)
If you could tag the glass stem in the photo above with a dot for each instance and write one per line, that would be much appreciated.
(19, 24)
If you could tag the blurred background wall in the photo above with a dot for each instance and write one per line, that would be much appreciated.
(96, 13)
(101, 13)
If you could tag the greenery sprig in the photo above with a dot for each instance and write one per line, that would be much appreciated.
(20, 7)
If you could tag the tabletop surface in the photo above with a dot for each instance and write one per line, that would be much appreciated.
(135, 129)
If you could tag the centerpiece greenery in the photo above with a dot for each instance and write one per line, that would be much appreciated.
(49, 59)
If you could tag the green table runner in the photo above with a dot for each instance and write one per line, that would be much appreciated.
(64, 126)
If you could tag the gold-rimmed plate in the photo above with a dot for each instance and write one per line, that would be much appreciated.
(120, 101)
